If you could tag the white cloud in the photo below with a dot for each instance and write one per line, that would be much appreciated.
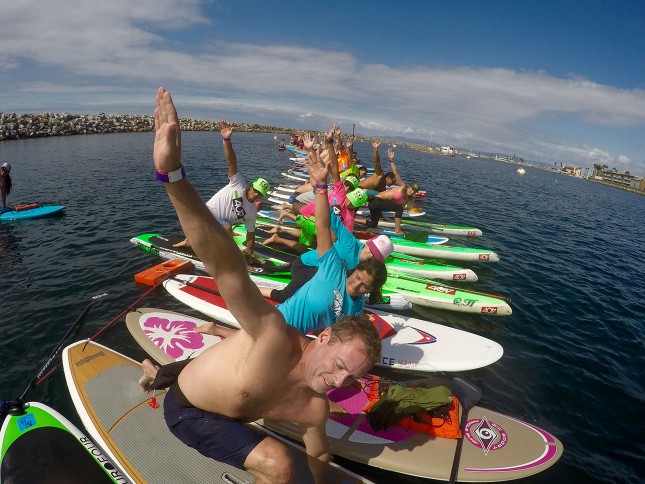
(117, 50)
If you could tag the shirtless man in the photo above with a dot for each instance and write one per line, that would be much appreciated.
(266, 369)
(378, 181)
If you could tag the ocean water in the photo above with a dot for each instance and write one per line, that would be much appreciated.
(572, 264)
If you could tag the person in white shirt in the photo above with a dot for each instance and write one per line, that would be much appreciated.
(235, 203)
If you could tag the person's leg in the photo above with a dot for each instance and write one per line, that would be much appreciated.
(375, 212)
(300, 274)
(228, 440)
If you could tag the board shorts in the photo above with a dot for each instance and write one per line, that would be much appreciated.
(307, 227)
(216, 436)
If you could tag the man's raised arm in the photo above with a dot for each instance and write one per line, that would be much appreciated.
(210, 241)
(229, 152)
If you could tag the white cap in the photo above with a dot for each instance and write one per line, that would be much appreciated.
(381, 247)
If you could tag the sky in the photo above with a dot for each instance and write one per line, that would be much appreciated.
(551, 81)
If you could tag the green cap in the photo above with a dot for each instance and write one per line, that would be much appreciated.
(351, 179)
(261, 186)
(357, 197)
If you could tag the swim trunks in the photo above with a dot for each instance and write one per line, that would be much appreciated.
(213, 435)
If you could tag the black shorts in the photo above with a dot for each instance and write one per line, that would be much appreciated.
(216, 436)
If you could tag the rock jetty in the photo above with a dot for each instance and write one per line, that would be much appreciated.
(22, 126)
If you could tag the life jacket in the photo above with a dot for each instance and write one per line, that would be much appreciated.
(343, 161)
(441, 421)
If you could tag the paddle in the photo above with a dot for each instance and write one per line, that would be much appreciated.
(17, 405)
(468, 396)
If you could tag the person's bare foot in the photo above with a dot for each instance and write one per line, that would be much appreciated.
(273, 230)
(183, 243)
(270, 240)
(283, 214)
(149, 374)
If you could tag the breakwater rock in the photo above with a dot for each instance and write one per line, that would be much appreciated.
(21, 126)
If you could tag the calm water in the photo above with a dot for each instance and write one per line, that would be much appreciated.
(572, 262)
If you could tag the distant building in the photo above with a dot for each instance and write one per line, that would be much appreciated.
(637, 182)
(620, 178)
(570, 170)
(448, 150)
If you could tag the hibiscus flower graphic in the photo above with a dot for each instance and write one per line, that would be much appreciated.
(175, 338)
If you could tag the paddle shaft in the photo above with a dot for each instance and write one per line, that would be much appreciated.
(469, 395)
(54, 353)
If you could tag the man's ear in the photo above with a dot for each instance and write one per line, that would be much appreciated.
(324, 335)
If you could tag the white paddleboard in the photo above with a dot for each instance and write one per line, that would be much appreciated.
(407, 343)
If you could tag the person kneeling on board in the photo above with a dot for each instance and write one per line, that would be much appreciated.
(235, 203)
(267, 368)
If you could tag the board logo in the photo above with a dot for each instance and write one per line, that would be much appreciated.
(441, 289)
(484, 256)
(424, 338)
(89, 358)
(459, 277)
(489, 310)
(486, 435)
(175, 338)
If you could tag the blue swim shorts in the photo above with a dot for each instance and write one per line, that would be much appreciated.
(216, 436)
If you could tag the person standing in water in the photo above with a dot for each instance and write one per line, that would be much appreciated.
(5, 184)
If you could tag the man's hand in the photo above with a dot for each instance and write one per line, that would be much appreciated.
(390, 154)
(308, 141)
(224, 130)
(167, 146)
(317, 168)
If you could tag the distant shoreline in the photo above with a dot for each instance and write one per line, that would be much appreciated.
(42, 125)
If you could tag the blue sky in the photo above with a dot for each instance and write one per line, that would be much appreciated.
(551, 81)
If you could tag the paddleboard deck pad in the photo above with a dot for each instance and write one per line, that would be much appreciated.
(104, 388)
(496, 447)
(40, 445)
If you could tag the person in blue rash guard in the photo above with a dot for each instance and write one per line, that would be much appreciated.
(350, 250)
(331, 293)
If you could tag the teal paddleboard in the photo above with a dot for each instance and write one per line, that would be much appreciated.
(37, 212)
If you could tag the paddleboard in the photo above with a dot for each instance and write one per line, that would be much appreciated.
(417, 290)
(407, 343)
(496, 447)
(41, 445)
(115, 411)
(37, 212)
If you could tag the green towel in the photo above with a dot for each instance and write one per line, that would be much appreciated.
(400, 402)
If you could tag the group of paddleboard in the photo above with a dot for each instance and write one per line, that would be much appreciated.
(295, 336)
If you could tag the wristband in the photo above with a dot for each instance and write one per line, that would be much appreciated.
(226, 140)
(320, 191)
(172, 176)
(323, 186)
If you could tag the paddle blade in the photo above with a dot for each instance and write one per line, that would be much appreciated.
(467, 393)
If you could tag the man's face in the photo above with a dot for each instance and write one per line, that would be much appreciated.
(252, 194)
(338, 364)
